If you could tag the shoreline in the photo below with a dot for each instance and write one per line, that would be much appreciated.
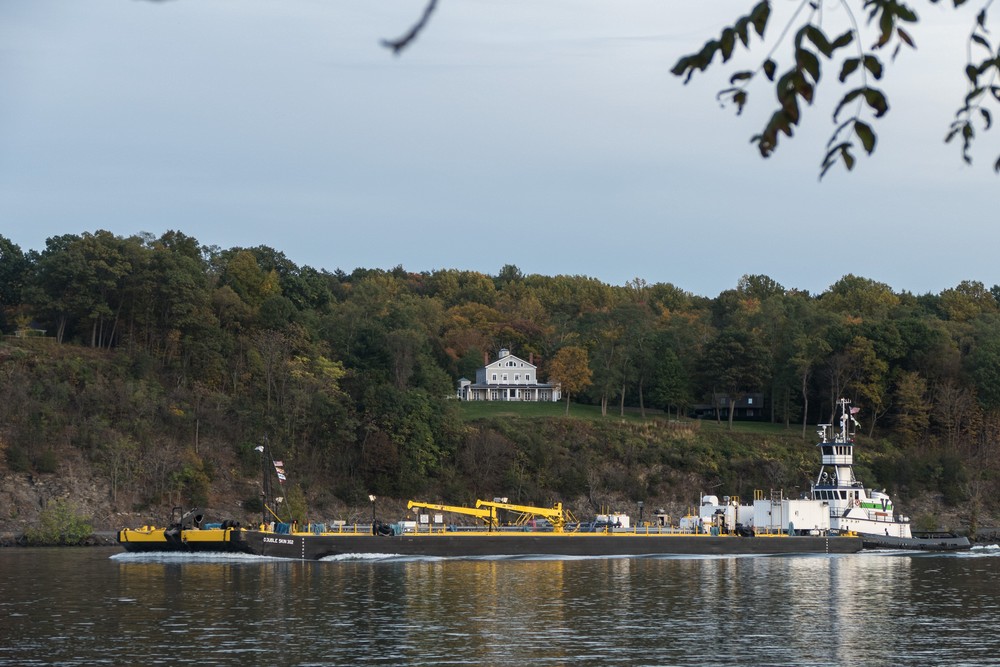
(99, 538)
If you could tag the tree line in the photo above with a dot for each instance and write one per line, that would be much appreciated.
(350, 375)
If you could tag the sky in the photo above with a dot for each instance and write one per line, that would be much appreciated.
(549, 135)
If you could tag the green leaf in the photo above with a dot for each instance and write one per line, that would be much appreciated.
(831, 157)
(742, 30)
(785, 87)
(866, 135)
(972, 95)
(740, 99)
(995, 91)
(804, 89)
(791, 108)
(847, 99)
(759, 15)
(987, 119)
(807, 60)
(849, 66)
(840, 128)
(873, 65)
(955, 127)
(885, 25)
(906, 14)
(979, 39)
(769, 69)
(843, 40)
(996, 166)
(819, 40)
(848, 158)
(876, 100)
(727, 43)
(905, 38)
(741, 76)
(972, 72)
(681, 66)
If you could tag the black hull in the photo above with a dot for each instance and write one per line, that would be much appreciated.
(314, 547)
(172, 543)
(929, 542)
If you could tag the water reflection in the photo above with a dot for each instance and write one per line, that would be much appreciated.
(78, 607)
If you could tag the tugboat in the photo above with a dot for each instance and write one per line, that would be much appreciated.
(865, 512)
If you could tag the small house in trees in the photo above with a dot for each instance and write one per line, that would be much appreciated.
(508, 378)
(746, 407)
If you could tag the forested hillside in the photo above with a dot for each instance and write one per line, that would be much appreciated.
(157, 365)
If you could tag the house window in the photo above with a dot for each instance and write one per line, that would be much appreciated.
(527, 377)
(504, 377)
(494, 377)
(513, 393)
(517, 377)
(749, 401)
(495, 395)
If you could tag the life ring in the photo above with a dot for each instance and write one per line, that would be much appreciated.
(857, 502)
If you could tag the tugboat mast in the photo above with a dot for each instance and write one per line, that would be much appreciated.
(838, 453)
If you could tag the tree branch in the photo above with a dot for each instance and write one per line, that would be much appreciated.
(397, 45)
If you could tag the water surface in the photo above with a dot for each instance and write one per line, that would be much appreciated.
(99, 606)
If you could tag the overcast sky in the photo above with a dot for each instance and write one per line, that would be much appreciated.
(548, 134)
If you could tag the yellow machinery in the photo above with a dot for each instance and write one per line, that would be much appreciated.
(555, 514)
(487, 516)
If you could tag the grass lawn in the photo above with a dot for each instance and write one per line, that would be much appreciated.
(472, 410)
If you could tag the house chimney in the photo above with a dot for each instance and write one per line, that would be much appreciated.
(531, 358)
(486, 358)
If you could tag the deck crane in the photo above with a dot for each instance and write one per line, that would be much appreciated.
(555, 514)
(486, 515)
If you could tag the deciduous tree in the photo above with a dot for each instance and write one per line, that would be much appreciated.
(570, 368)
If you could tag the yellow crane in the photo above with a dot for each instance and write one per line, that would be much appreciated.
(555, 514)
(487, 516)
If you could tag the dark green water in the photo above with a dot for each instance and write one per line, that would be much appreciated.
(92, 607)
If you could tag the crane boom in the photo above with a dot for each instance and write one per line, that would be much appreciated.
(487, 516)
(554, 514)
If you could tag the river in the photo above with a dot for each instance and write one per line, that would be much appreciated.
(94, 606)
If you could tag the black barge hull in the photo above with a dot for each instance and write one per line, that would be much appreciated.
(315, 547)
(919, 542)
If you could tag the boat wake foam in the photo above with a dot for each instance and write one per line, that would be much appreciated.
(189, 557)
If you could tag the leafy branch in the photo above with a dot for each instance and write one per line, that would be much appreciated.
(795, 87)
(982, 78)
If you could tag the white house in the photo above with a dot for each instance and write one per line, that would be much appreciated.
(509, 378)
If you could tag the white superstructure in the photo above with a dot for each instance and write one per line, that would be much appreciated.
(852, 506)
(836, 503)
